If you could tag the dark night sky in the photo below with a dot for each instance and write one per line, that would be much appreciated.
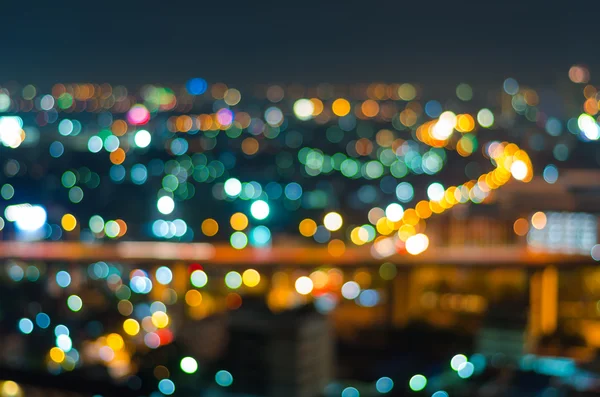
(244, 42)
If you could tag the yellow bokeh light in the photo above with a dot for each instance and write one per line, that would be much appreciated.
(160, 319)
(251, 278)
(538, 220)
(406, 231)
(115, 342)
(340, 107)
(57, 355)
(10, 389)
(193, 298)
(407, 92)
(333, 221)
(131, 327)
(210, 227)
(68, 222)
(307, 227)
(465, 123)
(383, 226)
(318, 106)
(238, 221)
(355, 236)
(319, 279)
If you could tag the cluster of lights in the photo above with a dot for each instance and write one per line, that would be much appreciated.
(365, 157)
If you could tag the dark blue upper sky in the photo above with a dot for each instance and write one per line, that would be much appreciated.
(302, 41)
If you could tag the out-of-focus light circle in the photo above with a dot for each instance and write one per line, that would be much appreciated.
(457, 361)
(587, 124)
(7, 191)
(166, 387)
(64, 343)
(210, 227)
(350, 290)
(518, 169)
(68, 222)
(160, 319)
(435, 191)
(550, 173)
(521, 226)
(63, 279)
(259, 209)
(131, 327)
(251, 278)
(57, 355)
(333, 221)
(233, 280)
(188, 365)
(42, 320)
(350, 392)
(440, 393)
(112, 229)
(196, 86)
(303, 109)
(511, 87)
(384, 385)
(223, 378)
(138, 114)
(233, 187)
(417, 383)
(238, 240)
(307, 227)
(95, 144)
(75, 303)
(340, 107)
(25, 326)
(198, 278)
(394, 212)
(11, 128)
(539, 220)
(417, 244)
(164, 275)
(595, 252)
(260, 236)
(405, 192)
(165, 205)
(238, 221)
(304, 285)
(142, 138)
(368, 298)
(485, 118)
(96, 224)
(30, 218)
(466, 370)
(56, 149)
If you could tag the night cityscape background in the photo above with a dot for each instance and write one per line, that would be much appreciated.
(307, 199)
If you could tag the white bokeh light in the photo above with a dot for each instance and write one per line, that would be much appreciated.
(259, 209)
(518, 169)
(304, 285)
(435, 191)
(303, 109)
(394, 212)
(142, 138)
(165, 205)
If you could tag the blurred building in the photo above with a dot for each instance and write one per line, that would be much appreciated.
(280, 354)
